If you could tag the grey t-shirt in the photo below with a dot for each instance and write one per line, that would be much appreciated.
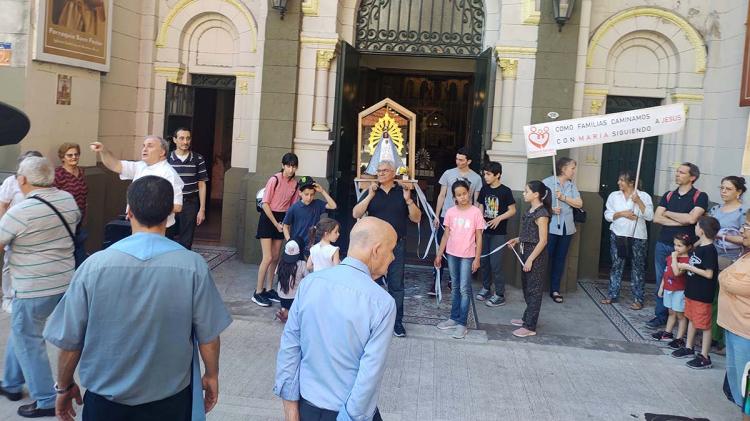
(132, 310)
(449, 177)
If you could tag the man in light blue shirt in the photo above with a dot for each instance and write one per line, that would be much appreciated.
(133, 320)
(335, 343)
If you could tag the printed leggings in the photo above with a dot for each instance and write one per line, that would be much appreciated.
(533, 283)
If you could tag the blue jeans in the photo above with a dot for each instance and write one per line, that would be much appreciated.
(460, 268)
(557, 247)
(26, 353)
(661, 251)
(395, 279)
(738, 354)
(491, 265)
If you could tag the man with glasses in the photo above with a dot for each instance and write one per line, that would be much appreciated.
(677, 213)
(393, 203)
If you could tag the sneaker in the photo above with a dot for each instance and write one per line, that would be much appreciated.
(700, 362)
(261, 300)
(516, 322)
(662, 336)
(676, 343)
(399, 331)
(272, 295)
(483, 294)
(446, 324)
(683, 353)
(655, 323)
(523, 332)
(495, 301)
(460, 332)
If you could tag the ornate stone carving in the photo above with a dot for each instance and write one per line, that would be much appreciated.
(596, 106)
(509, 67)
(323, 59)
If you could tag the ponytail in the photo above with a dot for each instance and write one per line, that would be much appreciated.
(545, 194)
(312, 235)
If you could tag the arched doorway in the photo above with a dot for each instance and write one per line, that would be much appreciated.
(429, 56)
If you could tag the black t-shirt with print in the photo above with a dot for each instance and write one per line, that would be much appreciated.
(697, 287)
(496, 201)
(681, 204)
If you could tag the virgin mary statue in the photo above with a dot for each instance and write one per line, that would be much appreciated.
(385, 151)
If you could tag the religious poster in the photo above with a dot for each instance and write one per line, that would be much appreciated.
(5, 53)
(386, 133)
(74, 32)
(64, 85)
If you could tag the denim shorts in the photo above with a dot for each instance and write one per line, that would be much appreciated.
(675, 300)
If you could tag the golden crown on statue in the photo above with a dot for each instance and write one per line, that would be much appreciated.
(389, 125)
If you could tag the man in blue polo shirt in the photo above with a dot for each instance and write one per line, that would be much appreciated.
(192, 170)
(134, 320)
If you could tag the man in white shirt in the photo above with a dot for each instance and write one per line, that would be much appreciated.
(153, 162)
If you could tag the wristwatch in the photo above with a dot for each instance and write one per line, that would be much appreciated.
(64, 390)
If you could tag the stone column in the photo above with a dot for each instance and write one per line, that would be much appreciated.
(509, 70)
(322, 65)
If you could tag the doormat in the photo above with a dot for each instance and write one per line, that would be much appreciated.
(630, 323)
(422, 309)
(663, 417)
(215, 256)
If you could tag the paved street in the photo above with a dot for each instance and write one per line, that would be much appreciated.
(562, 374)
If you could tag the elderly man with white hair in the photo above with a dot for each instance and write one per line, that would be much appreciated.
(153, 162)
(41, 266)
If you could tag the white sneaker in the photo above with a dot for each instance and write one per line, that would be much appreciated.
(446, 324)
(460, 332)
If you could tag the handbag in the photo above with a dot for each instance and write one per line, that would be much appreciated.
(579, 215)
(79, 238)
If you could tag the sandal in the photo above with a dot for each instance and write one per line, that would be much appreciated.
(556, 297)
(636, 306)
(607, 301)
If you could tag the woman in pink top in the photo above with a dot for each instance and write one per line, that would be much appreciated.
(280, 193)
(462, 243)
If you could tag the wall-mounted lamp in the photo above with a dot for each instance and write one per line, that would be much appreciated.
(563, 11)
(280, 5)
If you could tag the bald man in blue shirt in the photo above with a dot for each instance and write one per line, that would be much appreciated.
(335, 343)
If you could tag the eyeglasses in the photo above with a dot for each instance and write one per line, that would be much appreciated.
(722, 188)
(384, 171)
(745, 227)
(72, 155)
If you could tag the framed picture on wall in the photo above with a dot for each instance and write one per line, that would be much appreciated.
(74, 32)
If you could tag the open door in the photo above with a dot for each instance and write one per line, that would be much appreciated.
(481, 123)
(342, 159)
(179, 107)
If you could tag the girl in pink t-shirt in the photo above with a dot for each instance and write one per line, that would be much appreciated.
(462, 243)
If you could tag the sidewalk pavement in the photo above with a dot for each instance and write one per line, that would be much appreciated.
(561, 374)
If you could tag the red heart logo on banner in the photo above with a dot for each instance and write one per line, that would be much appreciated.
(539, 138)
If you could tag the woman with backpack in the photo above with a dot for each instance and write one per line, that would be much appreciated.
(628, 210)
(279, 194)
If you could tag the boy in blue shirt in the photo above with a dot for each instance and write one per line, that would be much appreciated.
(306, 212)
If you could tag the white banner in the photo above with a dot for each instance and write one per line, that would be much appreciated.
(545, 139)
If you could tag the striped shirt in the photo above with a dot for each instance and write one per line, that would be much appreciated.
(191, 170)
(41, 262)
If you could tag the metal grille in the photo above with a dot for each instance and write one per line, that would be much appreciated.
(212, 81)
(421, 27)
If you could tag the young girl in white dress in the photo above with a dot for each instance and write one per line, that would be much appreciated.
(323, 254)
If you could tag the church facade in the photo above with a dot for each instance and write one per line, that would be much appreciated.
(253, 85)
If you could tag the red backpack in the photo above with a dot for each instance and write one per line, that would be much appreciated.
(695, 196)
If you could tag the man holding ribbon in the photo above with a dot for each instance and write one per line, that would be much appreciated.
(393, 203)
